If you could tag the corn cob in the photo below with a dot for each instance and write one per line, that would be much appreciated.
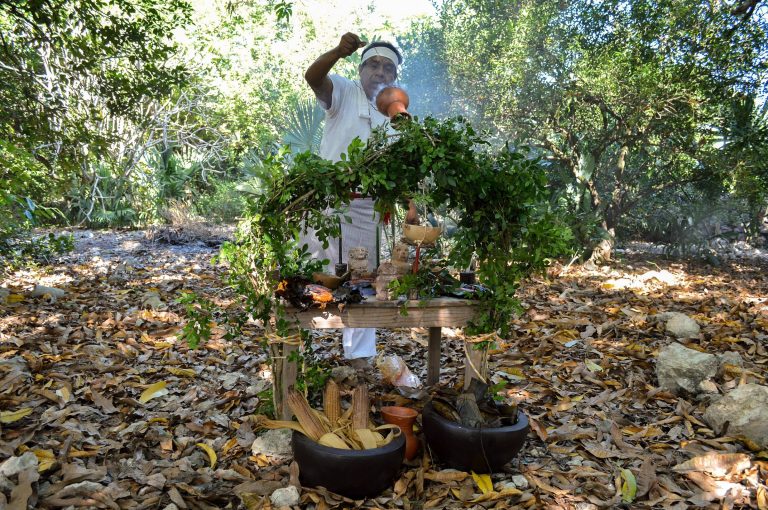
(313, 427)
(360, 405)
(332, 402)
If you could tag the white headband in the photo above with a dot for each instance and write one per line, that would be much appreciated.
(381, 51)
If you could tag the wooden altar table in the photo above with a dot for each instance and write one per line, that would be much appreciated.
(433, 314)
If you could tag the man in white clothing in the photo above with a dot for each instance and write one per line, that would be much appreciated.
(350, 111)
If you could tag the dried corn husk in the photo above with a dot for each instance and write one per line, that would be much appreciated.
(334, 441)
(343, 435)
(332, 402)
(360, 405)
(366, 438)
(313, 427)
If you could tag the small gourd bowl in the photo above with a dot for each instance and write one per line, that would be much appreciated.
(420, 234)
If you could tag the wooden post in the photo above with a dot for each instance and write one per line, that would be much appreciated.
(283, 377)
(433, 356)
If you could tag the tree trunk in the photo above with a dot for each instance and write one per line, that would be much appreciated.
(604, 249)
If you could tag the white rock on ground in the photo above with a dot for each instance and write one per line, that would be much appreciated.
(680, 325)
(287, 496)
(276, 443)
(15, 465)
(745, 409)
(520, 482)
(680, 369)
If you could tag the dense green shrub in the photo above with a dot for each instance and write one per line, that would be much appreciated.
(224, 203)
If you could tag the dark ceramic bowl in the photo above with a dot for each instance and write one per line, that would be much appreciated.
(356, 474)
(482, 450)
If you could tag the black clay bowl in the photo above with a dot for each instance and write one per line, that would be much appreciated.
(356, 474)
(482, 450)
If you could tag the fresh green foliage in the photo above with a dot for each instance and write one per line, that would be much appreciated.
(224, 203)
(199, 312)
(18, 243)
(314, 373)
(500, 200)
(304, 129)
(626, 97)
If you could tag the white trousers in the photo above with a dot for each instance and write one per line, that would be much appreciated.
(357, 342)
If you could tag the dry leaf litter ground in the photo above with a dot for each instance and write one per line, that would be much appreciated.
(76, 432)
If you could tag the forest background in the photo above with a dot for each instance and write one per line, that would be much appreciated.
(651, 115)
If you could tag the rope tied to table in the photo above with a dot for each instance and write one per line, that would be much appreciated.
(487, 337)
(275, 339)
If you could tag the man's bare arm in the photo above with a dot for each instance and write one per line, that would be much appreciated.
(317, 73)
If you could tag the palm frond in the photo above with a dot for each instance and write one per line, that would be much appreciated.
(304, 127)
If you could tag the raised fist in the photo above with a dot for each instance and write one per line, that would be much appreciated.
(349, 44)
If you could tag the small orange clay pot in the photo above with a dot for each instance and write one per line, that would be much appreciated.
(404, 418)
(393, 102)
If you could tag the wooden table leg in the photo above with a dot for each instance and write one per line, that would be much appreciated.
(433, 356)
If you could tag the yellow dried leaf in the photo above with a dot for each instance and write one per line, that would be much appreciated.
(64, 394)
(45, 459)
(231, 443)
(182, 372)
(12, 416)
(445, 476)
(260, 460)
(483, 482)
(762, 497)
(514, 371)
(211, 454)
(495, 496)
(14, 298)
(82, 453)
(592, 366)
(155, 390)
(653, 431)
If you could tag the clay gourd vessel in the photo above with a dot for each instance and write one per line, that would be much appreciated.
(393, 102)
(421, 234)
(404, 418)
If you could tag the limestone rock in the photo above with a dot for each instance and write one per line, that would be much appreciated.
(680, 325)
(276, 443)
(15, 465)
(746, 411)
(680, 369)
(343, 373)
(729, 358)
(520, 482)
(287, 496)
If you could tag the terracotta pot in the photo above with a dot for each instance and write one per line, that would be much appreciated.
(393, 102)
(403, 417)
(356, 474)
(482, 450)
